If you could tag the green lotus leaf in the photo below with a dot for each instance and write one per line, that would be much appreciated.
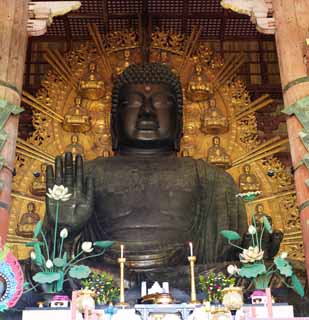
(297, 285)
(267, 224)
(252, 270)
(46, 277)
(103, 244)
(58, 262)
(37, 229)
(283, 266)
(230, 235)
(79, 272)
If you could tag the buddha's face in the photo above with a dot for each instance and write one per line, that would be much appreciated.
(147, 116)
(30, 207)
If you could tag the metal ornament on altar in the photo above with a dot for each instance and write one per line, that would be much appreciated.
(87, 72)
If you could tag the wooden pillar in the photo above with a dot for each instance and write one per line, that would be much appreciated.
(292, 22)
(13, 42)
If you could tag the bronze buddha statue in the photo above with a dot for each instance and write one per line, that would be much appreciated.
(146, 197)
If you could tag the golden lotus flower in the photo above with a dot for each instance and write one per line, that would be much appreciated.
(251, 254)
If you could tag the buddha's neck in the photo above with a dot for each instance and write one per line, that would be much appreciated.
(139, 152)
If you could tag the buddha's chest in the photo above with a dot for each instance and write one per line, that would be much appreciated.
(139, 187)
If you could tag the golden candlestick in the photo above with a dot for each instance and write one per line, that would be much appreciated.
(122, 302)
(192, 260)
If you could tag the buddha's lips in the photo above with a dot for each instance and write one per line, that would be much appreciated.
(147, 125)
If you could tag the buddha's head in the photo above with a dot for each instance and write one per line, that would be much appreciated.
(246, 168)
(74, 139)
(43, 168)
(30, 207)
(259, 208)
(216, 141)
(147, 108)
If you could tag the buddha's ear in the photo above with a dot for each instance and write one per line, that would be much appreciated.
(178, 133)
(114, 132)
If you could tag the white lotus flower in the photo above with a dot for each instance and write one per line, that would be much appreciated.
(64, 233)
(284, 255)
(232, 269)
(32, 255)
(251, 254)
(49, 264)
(87, 246)
(59, 193)
(252, 229)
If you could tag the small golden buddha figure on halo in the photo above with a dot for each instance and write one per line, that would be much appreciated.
(38, 186)
(124, 64)
(77, 118)
(199, 88)
(92, 86)
(28, 222)
(259, 214)
(217, 155)
(213, 120)
(101, 128)
(248, 181)
(75, 147)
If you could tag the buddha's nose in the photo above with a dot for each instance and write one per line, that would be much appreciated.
(147, 110)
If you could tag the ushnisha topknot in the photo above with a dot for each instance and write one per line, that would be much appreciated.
(152, 73)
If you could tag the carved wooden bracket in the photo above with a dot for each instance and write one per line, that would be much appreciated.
(41, 14)
(259, 11)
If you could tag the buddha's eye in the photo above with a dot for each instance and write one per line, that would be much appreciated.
(163, 102)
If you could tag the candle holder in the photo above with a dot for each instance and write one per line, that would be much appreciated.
(122, 302)
(192, 260)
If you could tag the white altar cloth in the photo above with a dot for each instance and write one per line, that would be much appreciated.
(280, 311)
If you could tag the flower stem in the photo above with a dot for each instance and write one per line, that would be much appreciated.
(234, 245)
(61, 246)
(79, 260)
(261, 236)
(55, 232)
(45, 243)
(254, 223)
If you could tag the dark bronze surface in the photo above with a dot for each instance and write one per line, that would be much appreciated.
(146, 197)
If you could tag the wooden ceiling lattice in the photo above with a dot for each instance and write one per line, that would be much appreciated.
(177, 15)
(123, 6)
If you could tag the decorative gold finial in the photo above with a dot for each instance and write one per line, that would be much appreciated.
(92, 86)
(77, 119)
(199, 88)
(123, 65)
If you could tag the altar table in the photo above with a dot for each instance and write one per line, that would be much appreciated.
(280, 311)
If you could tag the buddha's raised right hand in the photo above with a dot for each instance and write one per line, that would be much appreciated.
(74, 213)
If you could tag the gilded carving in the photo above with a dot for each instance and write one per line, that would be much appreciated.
(221, 105)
